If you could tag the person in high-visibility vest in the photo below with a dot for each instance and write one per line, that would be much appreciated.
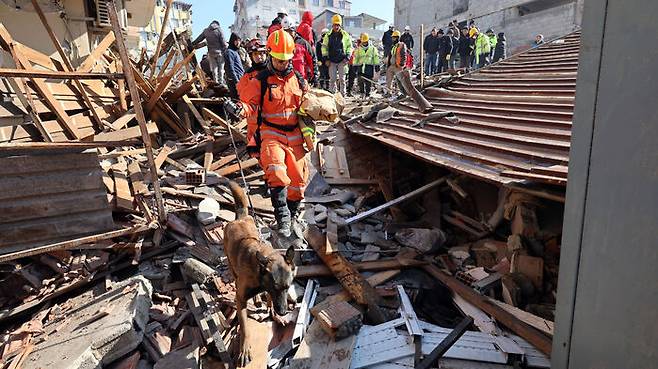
(493, 41)
(396, 61)
(482, 49)
(274, 97)
(367, 57)
(336, 49)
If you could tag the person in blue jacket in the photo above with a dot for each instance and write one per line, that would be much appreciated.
(233, 64)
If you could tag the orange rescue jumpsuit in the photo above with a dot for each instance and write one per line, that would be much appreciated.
(282, 154)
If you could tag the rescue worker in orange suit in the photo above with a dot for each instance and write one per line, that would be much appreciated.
(258, 55)
(274, 98)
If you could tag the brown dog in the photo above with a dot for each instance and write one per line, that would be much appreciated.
(256, 266)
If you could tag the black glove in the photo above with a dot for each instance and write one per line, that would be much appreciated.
(233, 108)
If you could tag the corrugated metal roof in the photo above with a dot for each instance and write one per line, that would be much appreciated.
(46, 198)
(514, 119)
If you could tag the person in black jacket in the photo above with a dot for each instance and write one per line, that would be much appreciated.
(500, 52)
(431, 46)
(465, 49)
(324, 69)
(233, 64)
(387, 41)
(454, 33)
(408, 39)
(445, 48)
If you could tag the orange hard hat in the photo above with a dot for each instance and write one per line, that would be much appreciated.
(281, 45)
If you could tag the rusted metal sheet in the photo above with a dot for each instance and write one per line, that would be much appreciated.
(513, 121)
(50, 198)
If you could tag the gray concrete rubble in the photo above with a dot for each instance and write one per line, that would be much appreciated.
(98, 332)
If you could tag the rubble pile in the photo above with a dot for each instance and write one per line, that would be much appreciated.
(403, 264)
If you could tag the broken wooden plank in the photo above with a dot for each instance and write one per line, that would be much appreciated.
(126, 133)
(310, 271)
(165, 20)
(88, 64)
(72, 244)
(204, 124)
(124, 197)
(122, 121)
(22, 73)
(164, 83)
(137, 178)
(542, 342)
(540, 323)
(347, 275)
(236, 167)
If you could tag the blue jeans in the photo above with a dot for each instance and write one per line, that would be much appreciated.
(430, 64)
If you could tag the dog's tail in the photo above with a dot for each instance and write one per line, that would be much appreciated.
(241, 201)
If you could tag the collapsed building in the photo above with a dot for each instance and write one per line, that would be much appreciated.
(434, 221)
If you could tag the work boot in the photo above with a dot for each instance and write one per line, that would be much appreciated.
(298, 224)
(281, 211)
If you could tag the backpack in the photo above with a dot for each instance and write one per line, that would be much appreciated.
(262, 76)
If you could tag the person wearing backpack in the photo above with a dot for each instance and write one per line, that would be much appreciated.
(274, 97)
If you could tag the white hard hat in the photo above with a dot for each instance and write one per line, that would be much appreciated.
(285, 23)
(324, 30)
(407, 28)
(283, 11)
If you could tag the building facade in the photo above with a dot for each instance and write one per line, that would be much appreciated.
(255, 16)
(521, 20)
(180, 19)
(354, 24)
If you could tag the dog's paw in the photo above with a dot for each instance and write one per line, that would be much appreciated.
(245, 356)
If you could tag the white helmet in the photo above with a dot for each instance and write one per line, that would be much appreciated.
(407, 28)
(285, 23)
(283, 11)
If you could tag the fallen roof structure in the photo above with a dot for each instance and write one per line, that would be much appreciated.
(511, 122)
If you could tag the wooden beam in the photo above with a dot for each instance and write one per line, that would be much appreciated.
(347, 275)
(236, 167)
(542, 342)
(67, 65)
(165, 65)
(8, 72)
(318, 270)
(139, 112)
(126, 133)
(99, 50)
(72, 244)
(204, 124)
(217, 119)
(156, 56)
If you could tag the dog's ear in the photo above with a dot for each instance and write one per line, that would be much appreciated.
(290, 256)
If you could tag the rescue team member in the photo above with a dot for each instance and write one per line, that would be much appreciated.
(337, 48)
(367, 57)
(258, 55)
(396, 61)
(274, 98)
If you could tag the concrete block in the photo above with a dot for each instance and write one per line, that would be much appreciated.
(97, 332)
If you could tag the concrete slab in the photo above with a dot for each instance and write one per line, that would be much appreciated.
(98, 332)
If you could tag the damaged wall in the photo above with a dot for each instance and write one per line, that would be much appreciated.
(607, 316)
